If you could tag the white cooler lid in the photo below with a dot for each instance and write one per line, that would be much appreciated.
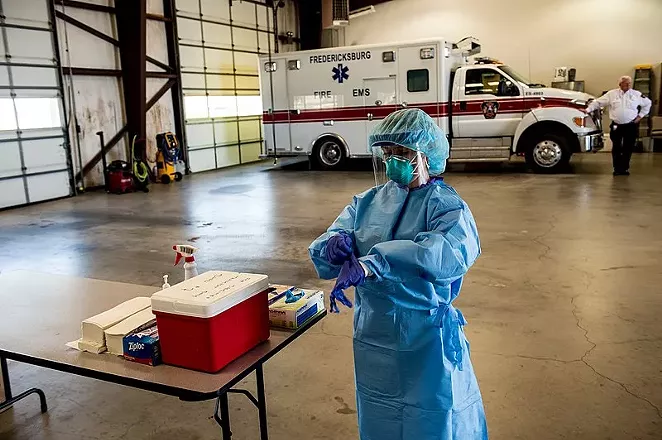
(209, 294)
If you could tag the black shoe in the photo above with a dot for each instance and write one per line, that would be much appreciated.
(625, 173)
(617, 173)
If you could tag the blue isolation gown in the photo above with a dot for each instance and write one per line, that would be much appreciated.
(414, 378)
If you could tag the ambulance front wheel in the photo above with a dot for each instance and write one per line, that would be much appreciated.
(548, 153)
(329, 153)
(178, 177)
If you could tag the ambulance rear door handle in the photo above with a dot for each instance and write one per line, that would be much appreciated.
(370, 116)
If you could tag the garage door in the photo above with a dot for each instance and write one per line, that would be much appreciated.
(34, 158)
(219, 43)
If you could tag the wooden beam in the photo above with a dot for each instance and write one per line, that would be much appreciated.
(158, 63)
(132, 35)
(85, 5)
(157, 17)
(89, 71)
(172, 40)
(165, 75)
(268, 3)
(89, 29)
(97, 157)
(162, 91)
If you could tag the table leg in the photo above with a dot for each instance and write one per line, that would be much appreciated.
(223, 420)
(9, 398)
(262, 403)
(6, 385)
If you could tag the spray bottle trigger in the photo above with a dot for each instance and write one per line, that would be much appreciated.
(177, 259)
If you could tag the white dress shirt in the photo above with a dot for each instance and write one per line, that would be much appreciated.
(624, 107)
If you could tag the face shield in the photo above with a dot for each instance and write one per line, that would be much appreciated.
(408, 143)
(404, 166)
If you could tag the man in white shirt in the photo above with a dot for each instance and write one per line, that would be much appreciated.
(626, 108)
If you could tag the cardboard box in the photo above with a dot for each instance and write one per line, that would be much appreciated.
(142, 346)
(296, 314)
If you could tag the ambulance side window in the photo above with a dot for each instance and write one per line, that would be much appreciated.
(488, 82)
(418, 80)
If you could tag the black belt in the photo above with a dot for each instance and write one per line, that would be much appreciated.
(614, 124)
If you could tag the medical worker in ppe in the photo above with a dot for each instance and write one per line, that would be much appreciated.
(405, 246)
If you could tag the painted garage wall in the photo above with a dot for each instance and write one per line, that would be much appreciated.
(603, 39)
(97, 101)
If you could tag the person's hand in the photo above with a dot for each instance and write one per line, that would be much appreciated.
(351, 274)
(637, 119)
(339, 248)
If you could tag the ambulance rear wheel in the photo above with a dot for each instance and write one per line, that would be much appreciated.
(165, 179)
(548, 153)
(329, 153)
(178, 177)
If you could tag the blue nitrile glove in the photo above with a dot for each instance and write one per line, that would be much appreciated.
(291, 297)
(351, 274)
(339, 248)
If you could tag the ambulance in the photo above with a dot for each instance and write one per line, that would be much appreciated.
(324, 103)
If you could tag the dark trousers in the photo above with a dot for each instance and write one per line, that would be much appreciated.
(623, 138)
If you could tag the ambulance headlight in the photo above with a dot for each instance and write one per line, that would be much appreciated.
(270, 66)
(427, 53)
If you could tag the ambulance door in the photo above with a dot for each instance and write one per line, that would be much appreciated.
(379, 99)
(418, 77)
(489, 103)
(277, 106)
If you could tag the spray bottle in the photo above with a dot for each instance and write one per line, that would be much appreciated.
(186, 251)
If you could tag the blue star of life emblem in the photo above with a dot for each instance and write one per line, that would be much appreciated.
(340, 73)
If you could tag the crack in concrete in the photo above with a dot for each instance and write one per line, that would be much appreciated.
(538, 239)
(523, 356)
(595, 371)
(632, 341)
(324, 332)
(618, 268)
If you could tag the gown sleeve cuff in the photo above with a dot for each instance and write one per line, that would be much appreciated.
(366, 269)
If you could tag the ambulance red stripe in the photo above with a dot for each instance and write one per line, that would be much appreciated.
(506, 106)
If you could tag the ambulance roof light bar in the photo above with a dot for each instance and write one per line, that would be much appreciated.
(467, 46)
(487, 60)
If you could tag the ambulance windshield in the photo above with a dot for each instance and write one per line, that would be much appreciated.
(519, 78)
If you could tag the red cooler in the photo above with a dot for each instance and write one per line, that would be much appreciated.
(210, 320)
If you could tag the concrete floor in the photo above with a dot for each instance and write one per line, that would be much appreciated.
(564, 305)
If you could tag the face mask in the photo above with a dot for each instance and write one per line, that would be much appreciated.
(399, 170)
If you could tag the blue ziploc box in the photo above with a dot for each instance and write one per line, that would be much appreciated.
(143, 346)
